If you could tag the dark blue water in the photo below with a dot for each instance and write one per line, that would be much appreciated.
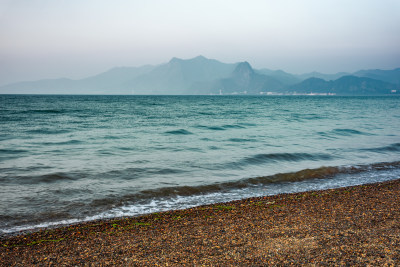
(65, 159)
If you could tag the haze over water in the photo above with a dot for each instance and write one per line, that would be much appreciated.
(65, 159)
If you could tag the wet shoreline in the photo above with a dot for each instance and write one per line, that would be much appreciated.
(350, 225)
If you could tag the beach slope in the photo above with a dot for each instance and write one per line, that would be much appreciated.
(346, 226)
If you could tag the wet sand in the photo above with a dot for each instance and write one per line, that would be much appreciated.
(348, 226)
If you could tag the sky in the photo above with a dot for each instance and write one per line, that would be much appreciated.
(42, 39)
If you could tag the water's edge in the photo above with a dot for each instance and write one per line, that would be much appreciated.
(30, 230)
(184, 197)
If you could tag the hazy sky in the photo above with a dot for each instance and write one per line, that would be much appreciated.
(77, 38)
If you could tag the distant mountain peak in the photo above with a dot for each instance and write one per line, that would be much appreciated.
(200, 57)
(244, 68)
(175, 60)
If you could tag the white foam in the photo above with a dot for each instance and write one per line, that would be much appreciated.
(184, 202)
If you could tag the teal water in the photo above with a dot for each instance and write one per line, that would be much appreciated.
(65, 159)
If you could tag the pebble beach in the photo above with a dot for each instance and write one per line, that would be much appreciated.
(347, 226)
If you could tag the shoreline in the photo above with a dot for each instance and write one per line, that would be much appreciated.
(348, 225)
(310, 174)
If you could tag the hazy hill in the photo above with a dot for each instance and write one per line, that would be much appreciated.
(326, 77)
(114, 78)
(281, 76)
(346, 85)
(49, 86)
(109, 82)
(200, 75)
(180, 76)
(390, 76)
(245, 80)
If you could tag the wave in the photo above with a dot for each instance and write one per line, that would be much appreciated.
(205, 113)
(126, 174)
(241, 140)
(179, 197)
(131, 173)
(69, 142)
(221, 128)
(348, 132)
(212, 128)
(22, 169)
(13, 151)
(233, 126)
(47, 131)
(44, 178)
(215, 128)
(42, 111)
(274, 157)
(179, 132)
(390, 148)
(12, 154)
(337, 133)
(54, 177)
(303, 175)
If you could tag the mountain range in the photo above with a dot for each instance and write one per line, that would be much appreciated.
(200, 75)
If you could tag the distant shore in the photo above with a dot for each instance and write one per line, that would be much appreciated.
(346, 226)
